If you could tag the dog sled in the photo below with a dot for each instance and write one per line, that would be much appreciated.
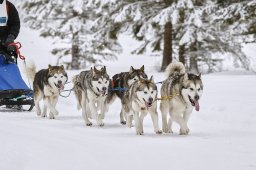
(14, 92)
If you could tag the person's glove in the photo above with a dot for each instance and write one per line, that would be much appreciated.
(10, 39)
(10, 48)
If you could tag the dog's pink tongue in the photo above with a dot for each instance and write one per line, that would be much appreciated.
(197, 105)
(62, 87)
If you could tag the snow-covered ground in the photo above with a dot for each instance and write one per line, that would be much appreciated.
(223, 132)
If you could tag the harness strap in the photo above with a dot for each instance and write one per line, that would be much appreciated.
(168, 97)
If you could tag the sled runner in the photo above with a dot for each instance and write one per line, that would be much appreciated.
(14, 93)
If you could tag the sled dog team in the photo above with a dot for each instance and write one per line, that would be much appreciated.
(95, 91)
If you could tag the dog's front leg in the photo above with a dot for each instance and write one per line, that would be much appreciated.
(37, 97)
(53, 111)
(186, 116)
(54, 100)
(154, 117)
(183, 125)
(94, 112)
(44, 114)
(142, 116)
(85, 109)
(164, 110)
(137, 123)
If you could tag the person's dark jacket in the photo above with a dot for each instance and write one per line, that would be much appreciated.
(13, 25)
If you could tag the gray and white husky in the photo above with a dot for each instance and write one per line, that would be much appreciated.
(121, 82)
(91, 88)
(140, 99)
(184, 90)
(47, 84)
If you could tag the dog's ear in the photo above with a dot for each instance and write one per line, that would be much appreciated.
(142, 68)
(103, 69)
(62, 67)
(92, 71)
(49, 67)
(95, 69)
(152, 79)
(131, 69)
(185, 76)
(199, 75)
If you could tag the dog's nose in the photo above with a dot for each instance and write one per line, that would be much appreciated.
(150, 100)
(196, 97)
(104, 88)
(59, 82)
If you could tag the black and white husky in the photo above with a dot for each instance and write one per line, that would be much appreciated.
(183, 91)
(121, 82)
(140, 99)
(47, 84)
(91, 88)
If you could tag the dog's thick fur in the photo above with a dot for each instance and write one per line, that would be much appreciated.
(91, 89)
(185, 90)
(138, 101)
(123, 81)
(47, 83)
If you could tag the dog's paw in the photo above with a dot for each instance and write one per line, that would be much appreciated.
(158, 131)
(38, 113)
(102, 116)
(100, 123)
(51, 115)
(43, 115)
(56, 113)
(165, 129)
(88, 123)
(123, 122)
(184, 131)
(139, 132)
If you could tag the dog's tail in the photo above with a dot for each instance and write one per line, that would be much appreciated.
(30, 70)
(176, 68)
(77, 91)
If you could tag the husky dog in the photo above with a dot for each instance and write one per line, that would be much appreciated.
(47, 83)
(91, 89)
(184, 90)
(138, 101)
(121, 82)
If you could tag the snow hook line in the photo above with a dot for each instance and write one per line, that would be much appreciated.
(70, 90)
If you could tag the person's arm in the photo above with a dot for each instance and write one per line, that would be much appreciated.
(13, 22)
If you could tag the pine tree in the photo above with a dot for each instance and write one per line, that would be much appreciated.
(70, 23)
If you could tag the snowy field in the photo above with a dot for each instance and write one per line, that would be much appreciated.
(222, 137)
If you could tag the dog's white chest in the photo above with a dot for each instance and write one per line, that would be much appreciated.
(48, 91)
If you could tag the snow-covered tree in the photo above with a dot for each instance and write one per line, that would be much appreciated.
(69, 23)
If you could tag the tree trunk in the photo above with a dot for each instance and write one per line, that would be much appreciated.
(182, 47)
(193, 67)
(182, 54)
(75, 65)
(167, 53)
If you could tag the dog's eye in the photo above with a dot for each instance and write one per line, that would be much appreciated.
(135, 79)
(199, 89)
(145, 92)
(106, 82)
(55, 76)
(99, 82)
(191, 89)
(152, 92)
(61, 76)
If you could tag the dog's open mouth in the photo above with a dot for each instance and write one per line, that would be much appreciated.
(194, 103)
(147, 104)
(101, 92)
(60, 86)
